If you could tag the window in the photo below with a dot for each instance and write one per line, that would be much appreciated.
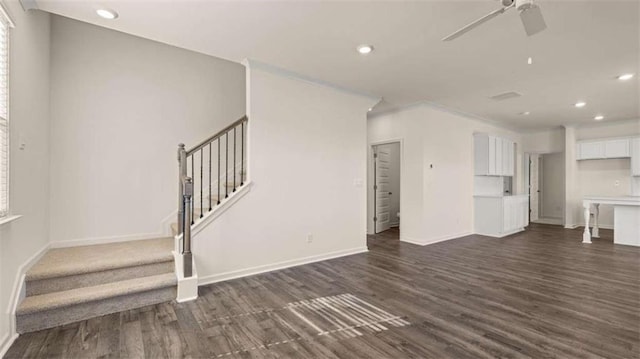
(5, 24)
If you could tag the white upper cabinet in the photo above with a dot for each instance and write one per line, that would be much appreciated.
(602, 149)
(616, 149)
(590, 150)
(494, 156)
(635, 156)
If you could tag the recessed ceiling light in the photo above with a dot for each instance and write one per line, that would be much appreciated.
(625, 77)
(370, 109)
(599, 118)
(107, 14)
(530, 60)
(580, 104)
(365, 49)
(526, 113)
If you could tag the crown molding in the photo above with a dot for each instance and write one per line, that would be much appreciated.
(606, 123)
(446, 109)
(253, 64)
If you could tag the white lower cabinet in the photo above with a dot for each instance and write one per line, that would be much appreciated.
(497, 216)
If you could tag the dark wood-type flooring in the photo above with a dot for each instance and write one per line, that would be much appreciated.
(537, 294)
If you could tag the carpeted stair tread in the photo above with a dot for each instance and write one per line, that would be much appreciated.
(60, 262)
(39, 303)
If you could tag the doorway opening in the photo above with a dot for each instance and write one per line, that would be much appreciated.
(385, 194)
(546, 188)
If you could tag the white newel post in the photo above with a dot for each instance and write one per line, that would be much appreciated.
(596, 212)
(586, 236)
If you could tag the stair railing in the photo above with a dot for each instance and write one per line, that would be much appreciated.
(215, 163)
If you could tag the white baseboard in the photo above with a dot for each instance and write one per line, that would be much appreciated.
(570, 226)
(501, 235)
(425, 242)
(17, 293)
(601, 226)
(6, 342)
(105, 240)
(204, 280)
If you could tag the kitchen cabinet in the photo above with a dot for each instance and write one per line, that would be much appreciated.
(617, 148)
(493, 156)
(635, 156)
(603, 149)
(499, 216)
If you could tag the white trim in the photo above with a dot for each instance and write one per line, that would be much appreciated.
(8, 219)
(396, 109)
(173, 217)
(605, 123)
(187, 287)
(425, 242)
(5, 14)
(501, 235)
(450, 110)
(471, 116)
(253, 64)
(571, 226)
(108, 239)
(214, 278)
(371, 181)
(221, 208)
(6, 343)
(17, 293)
(600, 225)
(165, 230)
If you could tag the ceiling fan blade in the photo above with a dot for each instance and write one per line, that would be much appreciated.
(476, 23)
(532, 20)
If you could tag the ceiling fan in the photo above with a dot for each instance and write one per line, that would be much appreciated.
(529, 14)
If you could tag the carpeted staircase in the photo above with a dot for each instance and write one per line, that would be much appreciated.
(77, 283)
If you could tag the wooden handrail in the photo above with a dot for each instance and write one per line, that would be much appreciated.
(217, 135)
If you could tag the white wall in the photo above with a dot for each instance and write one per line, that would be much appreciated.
(29, 120)
(120, 106)
(552, 185)
(437, 169)
(608, 129)
(547, 141)
(307, 150)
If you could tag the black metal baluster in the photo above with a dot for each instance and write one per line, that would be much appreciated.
(201, 182)
(210, 176)
(193, 203)
(235, 139)
(218, 179)
(242, 154)
(226, 167)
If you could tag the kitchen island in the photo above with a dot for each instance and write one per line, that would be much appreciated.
(626, 218)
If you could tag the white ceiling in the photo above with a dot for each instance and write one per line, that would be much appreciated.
(587, 44)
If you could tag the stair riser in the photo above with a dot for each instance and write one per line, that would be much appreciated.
(65, 315)
(57, 284)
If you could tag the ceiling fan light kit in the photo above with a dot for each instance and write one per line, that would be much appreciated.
(530, 15)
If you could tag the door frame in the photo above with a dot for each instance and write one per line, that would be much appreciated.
(370, 207)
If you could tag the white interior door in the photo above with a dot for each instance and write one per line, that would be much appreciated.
(381, 189)
(534, 178)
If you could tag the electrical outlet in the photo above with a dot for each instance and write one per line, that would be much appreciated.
(309, 238)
